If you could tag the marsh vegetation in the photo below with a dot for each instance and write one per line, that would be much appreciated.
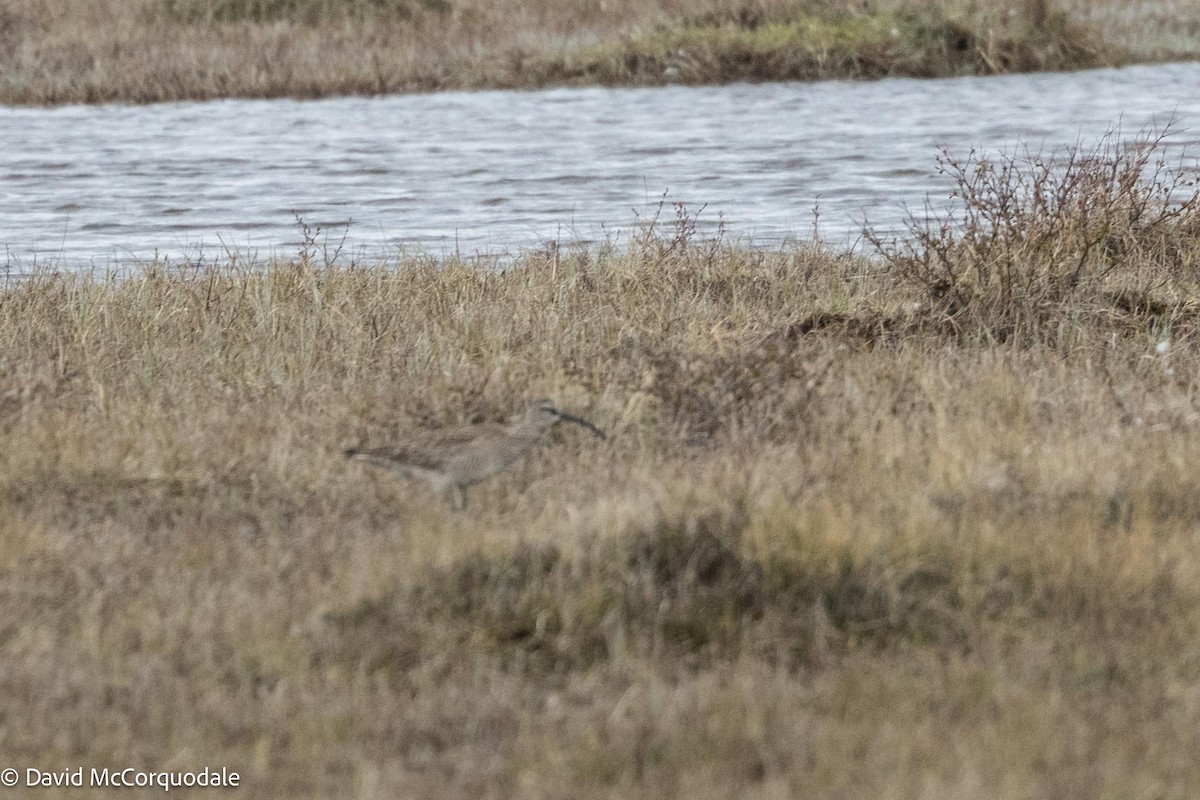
(918, 522)
(60, 51)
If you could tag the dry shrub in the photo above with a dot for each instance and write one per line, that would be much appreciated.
(1036, 238)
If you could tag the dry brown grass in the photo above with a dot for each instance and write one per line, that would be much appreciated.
(57, 51)
(843, 541)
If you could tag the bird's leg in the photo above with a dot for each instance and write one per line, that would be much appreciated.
(458, 498)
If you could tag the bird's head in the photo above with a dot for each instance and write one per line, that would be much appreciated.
(542, 415)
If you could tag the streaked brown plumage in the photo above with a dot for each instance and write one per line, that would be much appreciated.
(452, 459)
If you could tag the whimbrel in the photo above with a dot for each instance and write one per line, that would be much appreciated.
(452, 459)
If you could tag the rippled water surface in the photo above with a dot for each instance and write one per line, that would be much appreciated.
(502, 171)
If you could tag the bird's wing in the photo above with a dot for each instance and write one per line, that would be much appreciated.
(408, 454)
(428, 450)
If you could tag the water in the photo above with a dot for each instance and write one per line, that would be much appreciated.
(501, 172)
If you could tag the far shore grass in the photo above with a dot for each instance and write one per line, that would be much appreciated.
(64, 51)
(921, 523)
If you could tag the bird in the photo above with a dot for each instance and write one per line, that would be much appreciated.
(451, 459)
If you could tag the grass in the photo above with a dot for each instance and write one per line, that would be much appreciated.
(864, 526)
(801, 45)
(55, 51)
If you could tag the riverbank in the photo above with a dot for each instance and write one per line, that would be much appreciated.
(56, 51)
(863, 526)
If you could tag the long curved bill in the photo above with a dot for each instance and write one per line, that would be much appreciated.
(582, 422)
